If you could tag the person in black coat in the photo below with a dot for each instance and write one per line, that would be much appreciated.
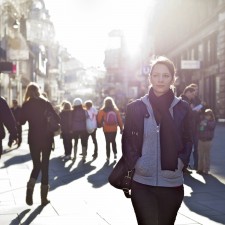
(6, 119)
(16, 110)
(39, 138)
(66, 132)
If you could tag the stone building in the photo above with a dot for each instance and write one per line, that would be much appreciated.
(192, 34)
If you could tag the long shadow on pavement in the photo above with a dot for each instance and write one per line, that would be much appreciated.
(207, 198)
(60, 174)
(17, 220)
(17, 160)
(33, 215)
(100, 178)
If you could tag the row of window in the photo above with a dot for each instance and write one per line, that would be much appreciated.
(205, 52)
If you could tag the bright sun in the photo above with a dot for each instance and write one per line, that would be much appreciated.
(82, 26)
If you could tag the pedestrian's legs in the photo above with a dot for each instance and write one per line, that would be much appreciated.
(113, 139)
(1, 148)
(35, 152)
(195, 152)
(84, 139)
(67, 143)
(94, 139)
(200, 156)
(76, 138)
(208, 145)
(107, 140)
(156, 205)
(45, 164)
(36, 159)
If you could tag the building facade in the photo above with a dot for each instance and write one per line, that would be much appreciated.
(27, 40)
(194, 32)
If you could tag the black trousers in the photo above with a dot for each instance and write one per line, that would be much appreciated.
(110, 137)
(94, 139)
(67, 143)
(156, 205)
(40, 158)
(83, 135)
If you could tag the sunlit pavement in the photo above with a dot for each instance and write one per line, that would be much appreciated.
(80, 193)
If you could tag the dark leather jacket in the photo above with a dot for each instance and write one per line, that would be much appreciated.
(132, 138)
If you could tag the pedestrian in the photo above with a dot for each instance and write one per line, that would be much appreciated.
(156, 144)
(39, 139)
(79, 116)
(66, 132)
(206, 134)
(7, 119)
(91, 124)
(198, 106)
(16, 110)
(109, 116)
(188, 95)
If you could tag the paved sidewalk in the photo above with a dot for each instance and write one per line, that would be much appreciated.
(80, 193)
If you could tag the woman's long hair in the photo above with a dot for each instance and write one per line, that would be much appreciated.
(32, 91)
(109, 103)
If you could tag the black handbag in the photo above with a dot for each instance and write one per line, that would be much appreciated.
(121, 177)
(53, 125)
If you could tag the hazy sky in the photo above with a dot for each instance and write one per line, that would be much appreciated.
(82, 26)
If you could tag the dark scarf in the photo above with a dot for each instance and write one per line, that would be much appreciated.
(163, 117)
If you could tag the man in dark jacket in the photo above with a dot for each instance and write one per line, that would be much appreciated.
(6, 119)
(188, 95)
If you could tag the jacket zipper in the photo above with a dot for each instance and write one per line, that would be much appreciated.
(157, 155)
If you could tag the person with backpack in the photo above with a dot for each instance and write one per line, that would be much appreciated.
(109, 117)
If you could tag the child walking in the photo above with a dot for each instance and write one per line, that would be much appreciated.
(206, 133)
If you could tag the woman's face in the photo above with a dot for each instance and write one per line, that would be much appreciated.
(161, 79)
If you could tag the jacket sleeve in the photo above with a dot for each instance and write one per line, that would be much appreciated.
(186, 137)
(132, 136)
(8, 119)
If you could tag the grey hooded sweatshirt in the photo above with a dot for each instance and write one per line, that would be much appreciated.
(148, 167)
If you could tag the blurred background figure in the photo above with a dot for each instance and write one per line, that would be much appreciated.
(7, 120)
(198, 106)
(39, 139)
(188, 95)
(16, 110)
(66, 133)
(91, 124)
(79, 116)
(109, 116)
(206, 134)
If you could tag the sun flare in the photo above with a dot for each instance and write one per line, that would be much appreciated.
(83, 26)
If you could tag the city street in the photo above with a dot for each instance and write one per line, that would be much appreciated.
(80, 193)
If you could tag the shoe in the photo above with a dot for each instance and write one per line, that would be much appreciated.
(199, 171)
(185, 170)
(67, 157)
(115, 156)
(9, 144)
(95, 155)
